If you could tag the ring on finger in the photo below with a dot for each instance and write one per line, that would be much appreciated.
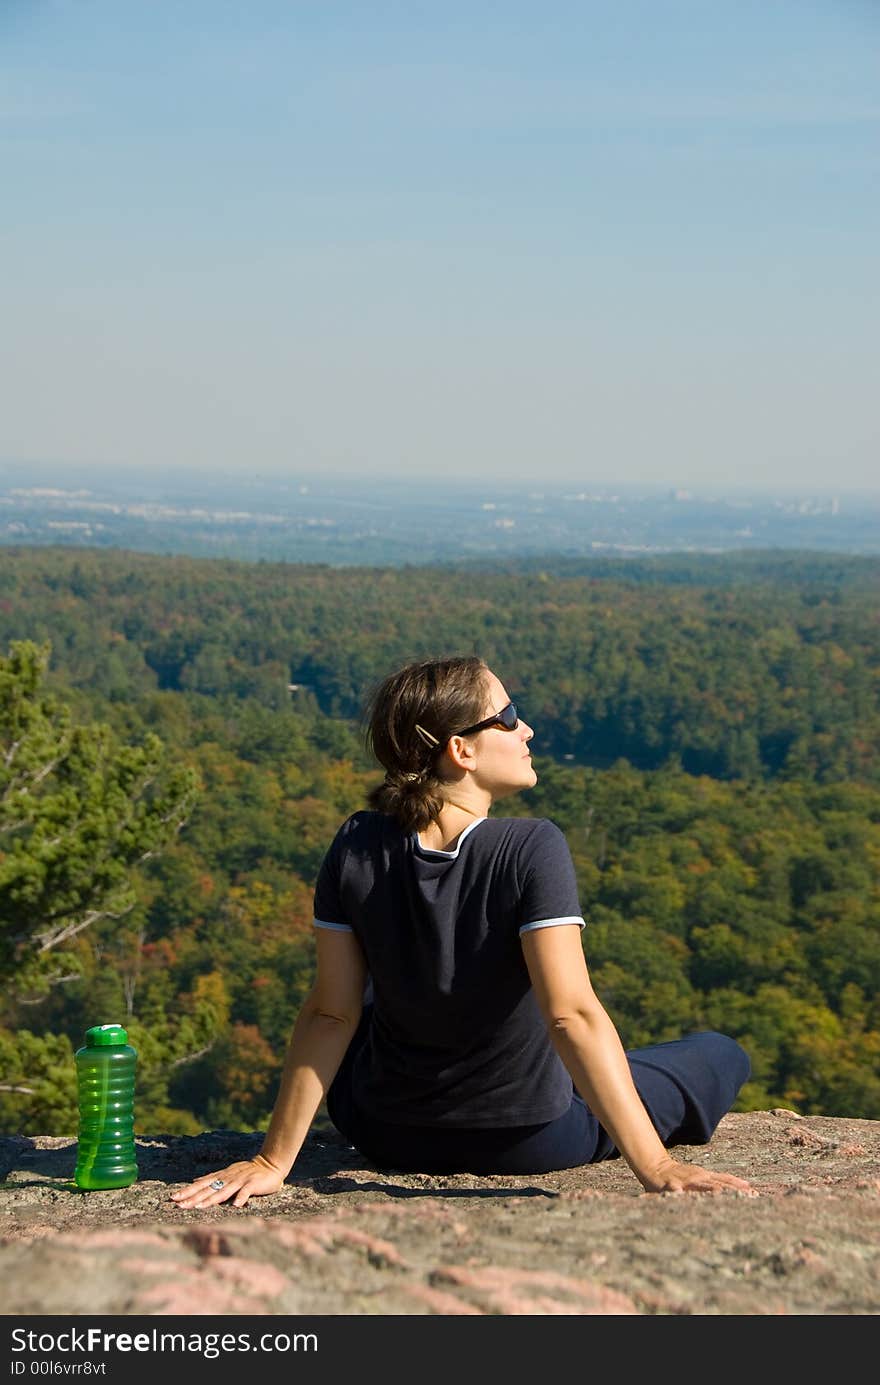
(217, 1184)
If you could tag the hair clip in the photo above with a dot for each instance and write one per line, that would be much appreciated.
(426, 736)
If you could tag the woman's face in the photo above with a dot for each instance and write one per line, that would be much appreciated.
(503, 763)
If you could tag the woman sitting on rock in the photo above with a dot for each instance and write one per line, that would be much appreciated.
(452, 1026)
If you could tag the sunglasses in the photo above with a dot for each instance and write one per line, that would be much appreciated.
(506, 718)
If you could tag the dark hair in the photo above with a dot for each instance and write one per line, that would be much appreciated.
(409, 718)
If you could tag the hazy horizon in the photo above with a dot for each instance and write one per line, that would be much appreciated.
(35, 474)
(570, 245)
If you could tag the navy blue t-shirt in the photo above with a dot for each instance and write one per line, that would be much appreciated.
(457, 1038)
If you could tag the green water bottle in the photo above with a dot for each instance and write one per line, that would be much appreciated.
(105, 1084)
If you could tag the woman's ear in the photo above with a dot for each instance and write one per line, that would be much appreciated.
(461, 752)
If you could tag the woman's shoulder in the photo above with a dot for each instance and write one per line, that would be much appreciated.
(526, 826)
(528, 848)
(363, 825)
(367, 830)
(522, 831)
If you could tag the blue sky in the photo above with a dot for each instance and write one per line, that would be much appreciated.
(632, 241)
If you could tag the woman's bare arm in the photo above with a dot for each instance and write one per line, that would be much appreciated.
(589, 1045)
(324, 1028)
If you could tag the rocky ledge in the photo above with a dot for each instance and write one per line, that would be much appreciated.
(342, 1237)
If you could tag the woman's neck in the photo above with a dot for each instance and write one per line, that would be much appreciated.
(443, 833)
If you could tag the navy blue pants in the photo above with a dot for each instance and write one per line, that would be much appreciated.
(686, 1085)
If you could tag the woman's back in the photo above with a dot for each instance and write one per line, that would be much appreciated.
(456, 1036)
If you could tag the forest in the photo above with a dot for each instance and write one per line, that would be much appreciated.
(181, 738)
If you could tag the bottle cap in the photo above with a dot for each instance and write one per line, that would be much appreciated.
(104, 1034)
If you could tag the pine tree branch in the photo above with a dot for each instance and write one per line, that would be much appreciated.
(53, 939)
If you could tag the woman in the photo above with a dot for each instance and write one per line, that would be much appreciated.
(452, 1026)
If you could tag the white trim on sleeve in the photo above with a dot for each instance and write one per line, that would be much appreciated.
(337, 927)
(553, 923)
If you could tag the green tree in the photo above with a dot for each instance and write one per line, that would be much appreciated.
(78, 812)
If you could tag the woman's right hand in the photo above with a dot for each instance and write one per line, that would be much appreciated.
(672, 1176)
(255, 1177)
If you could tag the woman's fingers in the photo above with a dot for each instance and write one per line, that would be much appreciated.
(204, 1192)
(672, 1176)
(730, 1180)
(239, 1182)
(691, 1178)
(203, 1195)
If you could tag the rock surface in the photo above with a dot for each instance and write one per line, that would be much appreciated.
(342, 1237)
